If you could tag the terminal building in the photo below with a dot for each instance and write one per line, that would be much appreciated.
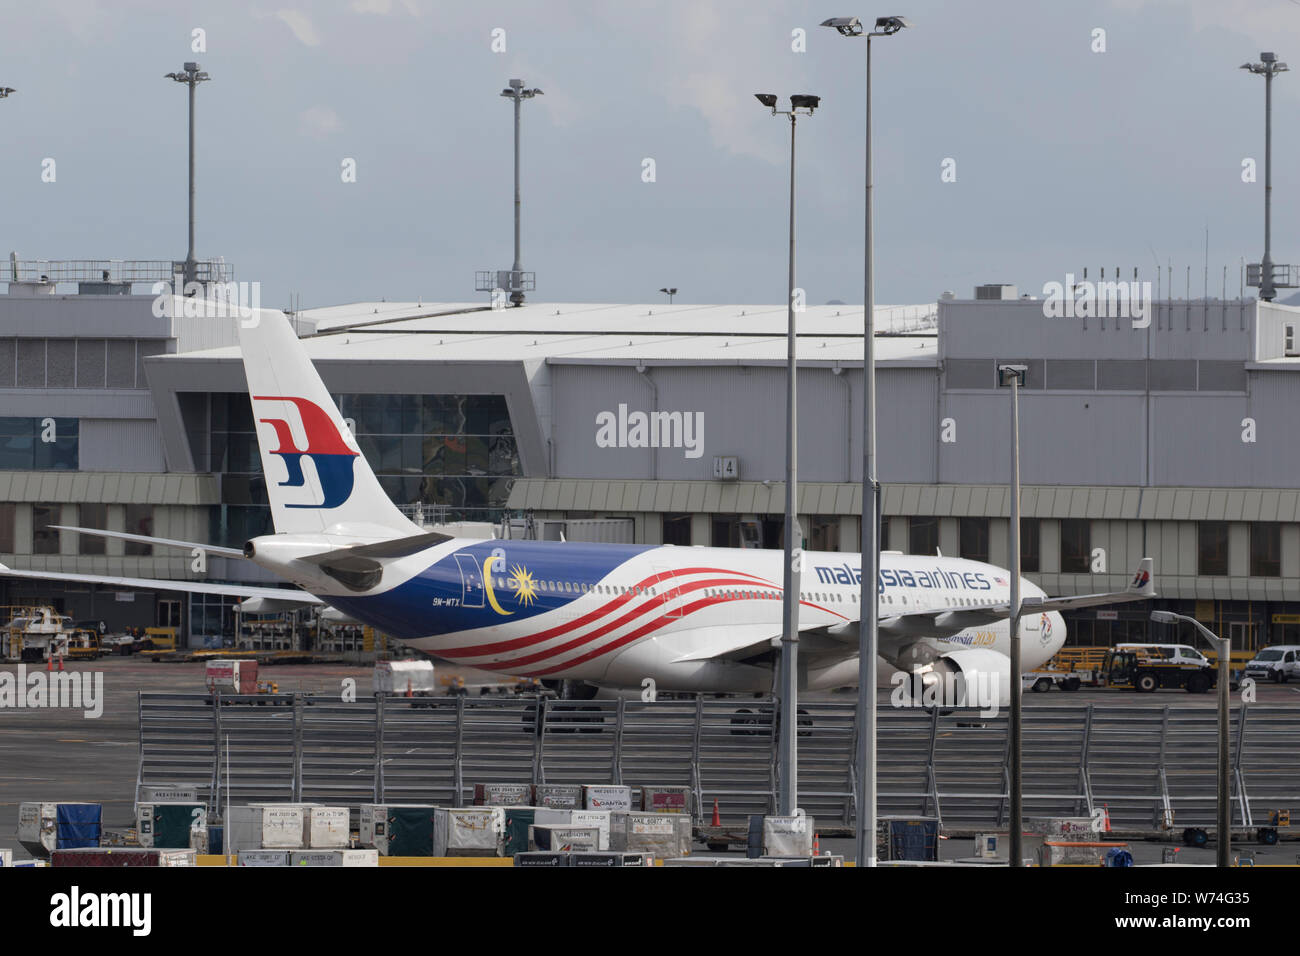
(1170, 435)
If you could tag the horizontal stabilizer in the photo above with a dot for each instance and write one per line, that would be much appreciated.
(191, 587)
(360, 568)
(150, 539)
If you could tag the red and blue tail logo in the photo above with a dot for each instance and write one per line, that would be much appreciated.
(1140, 580)
(333, 459)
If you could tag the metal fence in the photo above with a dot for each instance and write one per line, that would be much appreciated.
(1141, 763)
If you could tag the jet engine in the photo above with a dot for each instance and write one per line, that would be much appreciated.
(970, 678)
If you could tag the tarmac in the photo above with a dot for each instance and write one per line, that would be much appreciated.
(59, 754)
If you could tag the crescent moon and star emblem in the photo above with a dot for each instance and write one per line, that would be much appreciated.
(520, 581)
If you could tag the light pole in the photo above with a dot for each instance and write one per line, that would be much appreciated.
(1268, 68)
(787, 748)
(192, 76)
(670, 293)
(869, 610)
(1014, 376)
(517, 93)
(1223, 647)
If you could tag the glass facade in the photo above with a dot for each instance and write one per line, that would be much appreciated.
(39, 444)
(455, 454)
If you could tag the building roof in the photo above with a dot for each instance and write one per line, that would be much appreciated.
(612, 334)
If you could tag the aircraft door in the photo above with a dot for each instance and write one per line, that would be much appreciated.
(670, 595)
(471, 581)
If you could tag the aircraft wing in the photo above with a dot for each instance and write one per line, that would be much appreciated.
(194, 587)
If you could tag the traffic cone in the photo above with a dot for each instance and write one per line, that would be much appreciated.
(817, 844)
(49, 663)
(717, 820)
(60, 662)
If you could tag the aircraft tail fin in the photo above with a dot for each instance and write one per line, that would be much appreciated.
(316, 477)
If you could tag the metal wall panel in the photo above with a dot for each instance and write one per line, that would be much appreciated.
(121, 445)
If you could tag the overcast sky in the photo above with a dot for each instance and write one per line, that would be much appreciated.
(1064, 157)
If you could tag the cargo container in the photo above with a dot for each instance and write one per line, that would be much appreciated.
(398, 829)
(168, 793)
(230, 677)
(581, 818)
(563, 837)
(469, 831)
(264, 827)
(46, 826)
(109, 856)
(607, 859)
(558, 796)
(6, 858)
(541, 858)
(172, 826)
(264, 858)
(788, 836)
(913, 839)
(326, 828)
(606, 797)
(518, 820)
(398, 678)
(662, 835)
(334, 857)
(502, 794)
(666, 800)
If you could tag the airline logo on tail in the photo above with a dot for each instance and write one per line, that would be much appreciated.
(328, 452)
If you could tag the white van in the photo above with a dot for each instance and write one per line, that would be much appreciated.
(1167, 653)
(1279, 663)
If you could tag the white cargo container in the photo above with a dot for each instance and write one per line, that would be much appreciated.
(334, 857)
(264, 827)
(788, 836)
(326, 828)
(558, 796)
(600, 819)
(502, 794)
(397, 678)
(606, 797)
(168, 793)
(6, 858)
(264, 858)
(663, 835)
(469, 831)
(563, 837)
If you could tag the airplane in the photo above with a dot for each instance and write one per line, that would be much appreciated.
(601, 618)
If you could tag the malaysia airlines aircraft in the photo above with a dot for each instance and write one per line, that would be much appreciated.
(607, 616)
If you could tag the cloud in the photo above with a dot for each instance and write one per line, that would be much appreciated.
(302, 28)
(319, 122)
(383, 8)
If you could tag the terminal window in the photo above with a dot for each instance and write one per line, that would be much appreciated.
(1076, 545)
(1265, 549)
(1212, 547)
(974, 538)
(7, 512)
(39, 444)
(91, 516)
(922, 535)
(677, 529)
(45, 538)
(1030, 559)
